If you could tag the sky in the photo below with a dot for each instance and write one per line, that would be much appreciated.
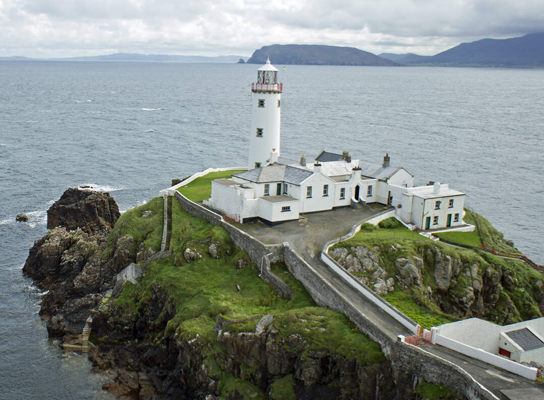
(70, 28)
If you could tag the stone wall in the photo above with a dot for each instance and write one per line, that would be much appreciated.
(326, 296)
(410, 359)
(268, 276)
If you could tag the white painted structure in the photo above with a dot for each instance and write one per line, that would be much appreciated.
(520, 342)
(264, 138)
(276, 191)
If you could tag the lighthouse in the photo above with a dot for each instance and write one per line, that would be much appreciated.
(264, 138)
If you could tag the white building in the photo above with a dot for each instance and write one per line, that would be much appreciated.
(521, 342)
(276, 191)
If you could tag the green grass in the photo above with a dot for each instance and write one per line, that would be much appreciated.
(204, 289)
(429, 391)
(201, 188)
(282, 389)
(405, 303)
(143, 230)
(471, 239)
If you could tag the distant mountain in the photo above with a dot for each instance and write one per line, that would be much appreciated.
(300, 54)
(525, 51)
(395, 57)
(156, 58)
(15, 58)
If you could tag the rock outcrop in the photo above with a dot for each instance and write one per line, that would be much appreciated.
(69, 263)
(85, 209)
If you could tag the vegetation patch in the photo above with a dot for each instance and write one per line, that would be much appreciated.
(207, 289)
(516, 284)
(201, 188)
(144, 224)
(429, 391)
(282, 389)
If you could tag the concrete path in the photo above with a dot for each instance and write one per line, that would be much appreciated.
(307, 238)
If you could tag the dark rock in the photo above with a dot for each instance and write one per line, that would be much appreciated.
(241, 61)
(21, 218)
(90, 211)
(176, 181)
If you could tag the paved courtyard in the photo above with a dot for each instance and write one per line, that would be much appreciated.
(308, 235)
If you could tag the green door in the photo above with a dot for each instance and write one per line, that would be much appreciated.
(449, 220)
(278, 189)
(428, 223)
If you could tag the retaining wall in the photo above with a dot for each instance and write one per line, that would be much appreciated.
(327, 296)
(268, 276)
(437, 370)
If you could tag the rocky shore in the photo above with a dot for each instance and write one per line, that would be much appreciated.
(140, 340)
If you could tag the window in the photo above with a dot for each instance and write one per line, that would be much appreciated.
(259, 132)
(435, 220)
(342, 193)
(308, 192)
(285, 189)
(325, 190)
(451, 204)
(456, 218)
(437, 205)
(279, 101)
(369, 191)
(286, 209)
(267, 189)
(261, 102)
(257, 165)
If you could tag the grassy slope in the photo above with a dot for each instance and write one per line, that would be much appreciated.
(204, 289)
(201, 188)
(429, 391)
(413, 303)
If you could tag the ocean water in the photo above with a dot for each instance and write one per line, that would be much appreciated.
(129, 128)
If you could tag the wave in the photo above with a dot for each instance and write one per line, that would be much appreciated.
(152, 109)
(100, 188)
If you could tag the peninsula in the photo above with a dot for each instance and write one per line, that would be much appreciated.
(331, 279)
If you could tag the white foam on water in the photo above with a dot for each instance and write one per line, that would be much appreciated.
(100, 188)
(151, 109)
(10, 221)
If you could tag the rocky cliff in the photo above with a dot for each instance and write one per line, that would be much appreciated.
(449, 281)
(199, 323)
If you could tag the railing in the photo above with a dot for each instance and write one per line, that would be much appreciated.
(267, 87)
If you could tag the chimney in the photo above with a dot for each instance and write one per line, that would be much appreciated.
(436, 187)
(356, 173)
(386, 160)
(345, 156)
(303, 161)
(317, 167)
(273, 156)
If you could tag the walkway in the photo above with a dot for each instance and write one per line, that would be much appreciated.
(308, 236)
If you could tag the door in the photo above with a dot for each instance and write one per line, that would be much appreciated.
(278, 189)
(428, 223)
(357, 193)
(448, 224)
(505, 353)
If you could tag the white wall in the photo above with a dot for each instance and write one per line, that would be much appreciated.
(268, 118)
(402, 178)
(337, 202)
(271, 211)
(474, 332)
(225, 199)
(430, 211)
(317, 202)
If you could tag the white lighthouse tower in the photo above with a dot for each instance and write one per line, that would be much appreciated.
(264, 138)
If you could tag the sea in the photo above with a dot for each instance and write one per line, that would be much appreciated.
(130, 128)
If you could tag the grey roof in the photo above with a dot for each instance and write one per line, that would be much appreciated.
(278, 199)
(377, 171)
(525, 339)
(325, 156)
(225, 182)
(275, 173)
